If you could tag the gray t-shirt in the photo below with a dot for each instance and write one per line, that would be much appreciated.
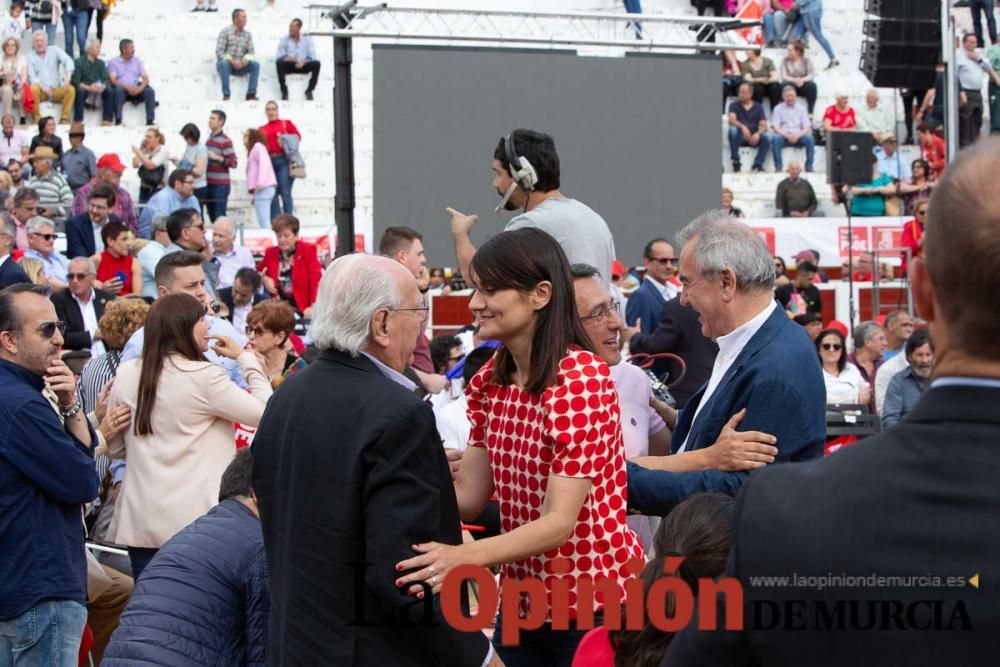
(191, 156)
(583, 235)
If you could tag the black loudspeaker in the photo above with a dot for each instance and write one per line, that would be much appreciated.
(903, 47)
(849, 158)
(911, 10)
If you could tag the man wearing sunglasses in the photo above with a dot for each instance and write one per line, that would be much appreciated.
(46, 475)
(42, 245)
(81, 308)
(644, 306)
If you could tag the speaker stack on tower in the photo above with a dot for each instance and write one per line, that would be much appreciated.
(903, 45)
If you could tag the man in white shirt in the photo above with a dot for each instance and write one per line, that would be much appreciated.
(231, 256)
(11, 140)
(81, 306)
(766, 377)
(150, 255)
(644, 306)
(874, 118)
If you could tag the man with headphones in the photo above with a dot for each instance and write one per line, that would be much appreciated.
(526, 168)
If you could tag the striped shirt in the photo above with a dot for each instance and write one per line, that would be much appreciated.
(218, 171)
(95, 375)
(233, 43)
(54, 193)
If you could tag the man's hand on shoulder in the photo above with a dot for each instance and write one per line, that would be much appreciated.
(741, 450)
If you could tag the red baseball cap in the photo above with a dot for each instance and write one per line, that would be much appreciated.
(111, 161)
(617, 269)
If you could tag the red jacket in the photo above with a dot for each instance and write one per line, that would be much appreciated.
(306, 272)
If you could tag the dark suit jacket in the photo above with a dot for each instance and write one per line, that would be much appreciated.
(348, 470)
(777, 378)
(11, 273)
(920, 498)
(645, 303)
(80, 235)
(225, 296)
(67, 310)
(679, 332)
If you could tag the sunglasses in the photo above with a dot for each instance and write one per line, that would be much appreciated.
(920, 213)
(77, 276)
(836, 347)
(48, 329)
(47, 237)
(256, 331)
(663, 261)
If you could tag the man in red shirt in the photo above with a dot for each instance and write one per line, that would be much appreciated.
(839, 116)
(931, 149)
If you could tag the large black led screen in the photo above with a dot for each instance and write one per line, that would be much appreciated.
(638, 137)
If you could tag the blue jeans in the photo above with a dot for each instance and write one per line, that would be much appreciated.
(778, 142)
(107, 103)
(775, 26)
(216, 198)
(226, 69)
(78, 21)
(810, 22)
(737, 141)
(262, 199)
(285, 183)
(544, 646)
(147, 97)
(46, 635)
(986, 7)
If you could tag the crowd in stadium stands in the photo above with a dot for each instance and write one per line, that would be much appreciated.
(259, 449)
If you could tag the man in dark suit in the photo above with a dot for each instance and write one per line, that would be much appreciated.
(644, 305)
(766, 365)
(349, 473)
(10, 271)
(81, 306)
(918, 501)
(83, 230)
(679, 332)
(240, 299)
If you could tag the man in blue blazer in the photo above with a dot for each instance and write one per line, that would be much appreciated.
(645, 305)
(81, 240)
(11, 272)
(766, 365)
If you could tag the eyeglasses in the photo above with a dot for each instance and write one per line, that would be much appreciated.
(185, 182)
(423, 310)
(256, 331)
(662, 261)
(77, 276)
(836, 347)
(48, 329)
(920, 213)
(201, 226)
(75, 134)
(47, 237)
(602, 313)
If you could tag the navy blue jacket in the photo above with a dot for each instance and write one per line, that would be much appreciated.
(777, 378)
(11, 273)
(645, 303)
(46, 475)
(203, 599)
(80, 235)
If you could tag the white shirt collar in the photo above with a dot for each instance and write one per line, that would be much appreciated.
(667, 290)
(733, 342)
(89, 300)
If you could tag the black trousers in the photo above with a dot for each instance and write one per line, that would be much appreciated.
(970, 118)
(285, 68)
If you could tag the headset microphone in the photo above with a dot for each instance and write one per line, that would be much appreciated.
(506, 197)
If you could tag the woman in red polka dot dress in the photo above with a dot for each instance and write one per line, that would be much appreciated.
(545, 437)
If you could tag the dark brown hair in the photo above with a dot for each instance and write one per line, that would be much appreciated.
(701, 530)
(169, 330)
(842, 359)
(520, 260)
(254, 136)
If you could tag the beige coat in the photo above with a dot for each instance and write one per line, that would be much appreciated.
(173, 475)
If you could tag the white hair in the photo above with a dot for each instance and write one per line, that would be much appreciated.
(92, 41)
(720, 243)
(352, 290)
(36, 223)
(88, 262)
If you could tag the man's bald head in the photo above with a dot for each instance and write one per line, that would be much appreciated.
(961, 251)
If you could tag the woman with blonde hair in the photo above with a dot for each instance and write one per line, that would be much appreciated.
(35, 269)
(181, 436)
(13, 74)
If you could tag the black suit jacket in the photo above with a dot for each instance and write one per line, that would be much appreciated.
(225, 296)
(679, 332)
(349, 470)
(919, 499)
(11, 273)
(80, 235)
(68, 310)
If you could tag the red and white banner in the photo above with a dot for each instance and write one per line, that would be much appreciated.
(787, 236)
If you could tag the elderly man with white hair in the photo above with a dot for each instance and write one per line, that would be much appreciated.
(230, 255)
(766, 376)
(50, 72)
(81, 307)
(875, 118)
(349, 474)
(42, 245)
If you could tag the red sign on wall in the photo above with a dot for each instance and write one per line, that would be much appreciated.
(859, 242)
(886, 238)
(766, 233)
